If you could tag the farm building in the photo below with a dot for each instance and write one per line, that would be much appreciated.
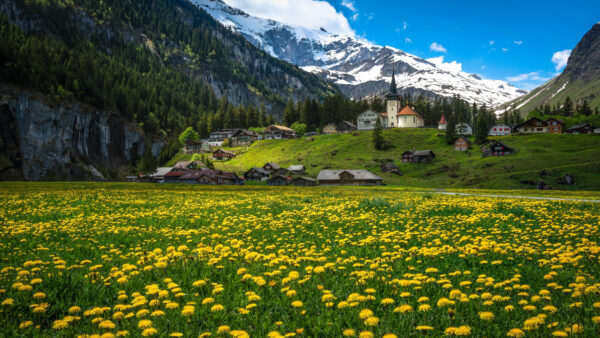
(278, 180)
(532, 126)
(256, 174)
(188, 165)
(500, 130)
(443, 123)
(462, 144)
(297, 169)
(270, 166)
(276, 132)
(216, 138)
(497, 148)
(305, 181)
(158, 176)
(348, 177)
(280, 172)
(346, 127)
(417, 156)
(367, 120)
(210, 177)
(584, 128)
(463, 128)
(329, 128)
(173, 176)
(243, 137)
(390, 167)
(221, 154)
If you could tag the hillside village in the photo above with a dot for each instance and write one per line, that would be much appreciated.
(224, 145)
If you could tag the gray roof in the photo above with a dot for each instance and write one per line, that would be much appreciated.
(581, 125)
(296, 167)
(422, 152)
(162, 171)
(307, 178)
(327, 175)
(260, 170)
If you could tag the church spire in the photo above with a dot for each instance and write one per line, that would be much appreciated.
(393, 89)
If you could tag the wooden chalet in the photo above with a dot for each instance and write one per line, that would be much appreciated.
(346, 127)
(278, 180)
(330, 128)
(532, 126)
(305, 181)
(270, 166)
(497, 148)
(280, 172)
(276, 132)
(297, 169)
(256, 174)
(192, 147)
(189, 165)
(584, 128)
(462, 144)
(417, 156)
(554, 126)
(158, 176)
(348, 177)
(221, 154)
(173, 176)
(390, 167)
(210, 177)
(242, 137)
(499, 130)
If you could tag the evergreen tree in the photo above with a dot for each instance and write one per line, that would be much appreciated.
(289, 114)
(451, 128)
(148, 163)
(567, 108)
(378, 141)
(481, 127)
(585, 109)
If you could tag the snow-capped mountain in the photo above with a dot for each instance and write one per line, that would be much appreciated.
(359, 68)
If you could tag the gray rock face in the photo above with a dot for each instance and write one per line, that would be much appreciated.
(66, 142)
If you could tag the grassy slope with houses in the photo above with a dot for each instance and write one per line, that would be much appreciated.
(578, 155)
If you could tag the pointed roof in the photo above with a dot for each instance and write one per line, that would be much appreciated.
(393, 89)
(443, 120)
(408, 111)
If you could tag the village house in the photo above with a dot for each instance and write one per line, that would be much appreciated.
(554, 125)
(297, 169)
(532, 126)
(280, 172)
(463, 128)
(443, 123)
(189, 165)
(304, 181)
(367, 120)
(270, 166)
(221, 154)
(256, 174)
(584, 128)
(398, 117)
(346, 127)
(390, 167)
(278, 180)
(597, 131)
(500, 130)
(217, 138)
(348, 177)
(210, 177)
(158, 176)
(192, 147)
(173, 176)
(496, 148)
(417, 156)
(242, 137)
(329, 128)
(462, 144)
(276, 132)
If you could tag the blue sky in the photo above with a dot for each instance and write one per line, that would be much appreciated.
(509, 40)
(523, 42)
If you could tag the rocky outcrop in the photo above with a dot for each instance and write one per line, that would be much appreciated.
(41, 141)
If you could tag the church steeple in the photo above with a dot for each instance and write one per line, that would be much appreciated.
(393, 89)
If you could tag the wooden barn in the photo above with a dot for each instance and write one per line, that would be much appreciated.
(418, 156)
(348, 177)
(297, 169)
(497, 148)
(243, 137)
(276, 132)
(270, 166)
(221, 154)
(278, 180)
(346, 127)
(462, 144)
(256, 174)
(305, 181)
(584, 128)
(329, 128)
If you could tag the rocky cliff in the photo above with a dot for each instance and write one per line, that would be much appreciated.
(41, 141)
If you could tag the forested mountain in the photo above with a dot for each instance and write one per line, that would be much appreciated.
(161, 63)
(576, 90)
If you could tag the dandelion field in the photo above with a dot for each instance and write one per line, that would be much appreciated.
(113, 259)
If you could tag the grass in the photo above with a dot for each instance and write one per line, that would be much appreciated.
(546, 157)
(189, 260)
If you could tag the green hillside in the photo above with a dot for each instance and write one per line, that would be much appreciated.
(578, 155)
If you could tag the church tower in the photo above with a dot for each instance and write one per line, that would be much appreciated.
(392, 102)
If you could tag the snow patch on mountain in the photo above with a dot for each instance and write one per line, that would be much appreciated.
(359, 67)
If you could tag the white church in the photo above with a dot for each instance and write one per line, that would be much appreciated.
(394, 117)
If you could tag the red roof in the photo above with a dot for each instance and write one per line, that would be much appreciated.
(407, 111)
(443, 120)
(175, 174)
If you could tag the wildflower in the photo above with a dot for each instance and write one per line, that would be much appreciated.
(404, 308)
(74, 309)
(297, 303)
(372, 321)
(224, 328)
(486, 315)
(149, 332)
(60, 324)
(349, 333)
(365, 334)
(8, 302)
(217, 308)
(39, 295)
(26, 324)
(560, 334)
(389, 335)
(188, 310)
(365, 313)
(515, 333)
(144, 324)
(123, 333)
(424, 307)
(424, 328)
(387, 301)
(106, 324)
(208, 300)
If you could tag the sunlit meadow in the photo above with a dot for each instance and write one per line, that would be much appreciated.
(158, 260)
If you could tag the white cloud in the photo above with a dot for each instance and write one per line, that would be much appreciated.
(407, 40)
(533, 76)
(453, 67)
(437, 48)
(311, 14)
(492, 42)
(505, 49)
(349, 4)
(560, 58)
(354, 17)
(518, 42)
(404, 25)
(371, 16)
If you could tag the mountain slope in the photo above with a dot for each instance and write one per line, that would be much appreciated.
(580, 80)
(358, 67)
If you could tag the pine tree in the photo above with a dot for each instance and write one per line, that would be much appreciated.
(148, 163)
(567, 108)
(289, 114)
(451, 128)
(585, 109)
(481, 127)
(378, 140)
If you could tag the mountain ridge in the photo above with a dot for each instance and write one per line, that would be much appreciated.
(360, 68)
